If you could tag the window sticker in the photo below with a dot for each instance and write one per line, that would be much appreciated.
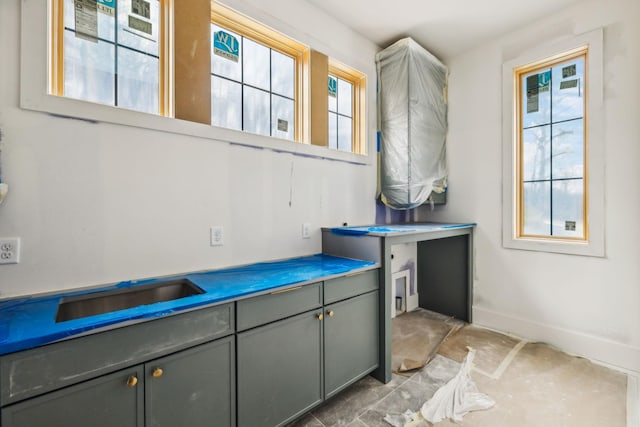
(86, 19)
(107, 7)
(226, 46)
(544, 80)
(567, 84)
(333, 86)
(570, 226)
(283, 125)
(569, 71)
(532, 94)
(141, 8)
(140, 25)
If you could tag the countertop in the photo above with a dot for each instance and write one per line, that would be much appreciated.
(386, 230)
(28, 322)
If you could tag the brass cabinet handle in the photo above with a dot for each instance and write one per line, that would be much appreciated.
(320, 316)
(132, 381)
(330, 313)
(157, 373)
(282, 291)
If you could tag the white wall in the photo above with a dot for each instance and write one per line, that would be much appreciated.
(586, 305)
(101, 203)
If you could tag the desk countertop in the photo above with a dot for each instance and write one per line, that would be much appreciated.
(28, 322)
(388, 230)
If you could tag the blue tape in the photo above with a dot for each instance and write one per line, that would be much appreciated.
(30, 322)
(397, 228)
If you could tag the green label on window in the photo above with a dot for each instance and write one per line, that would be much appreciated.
(226, 46)
(567, 84)
(569, 71)
(333, 86)
(141, 7)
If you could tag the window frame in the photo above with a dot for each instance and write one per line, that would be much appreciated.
(512, 236)
(581, 52)
(34, 95)
(358, 103)
(228, 18)
(56, 56)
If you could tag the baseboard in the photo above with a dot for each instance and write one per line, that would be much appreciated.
(589, 346)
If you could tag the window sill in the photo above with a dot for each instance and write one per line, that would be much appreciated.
(589, 248)
(97, 113)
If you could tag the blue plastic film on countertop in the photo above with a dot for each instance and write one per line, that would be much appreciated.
(28, 322)
(397, 228)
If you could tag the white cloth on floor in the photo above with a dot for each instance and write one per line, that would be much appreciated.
(457, 397)
(453, 400)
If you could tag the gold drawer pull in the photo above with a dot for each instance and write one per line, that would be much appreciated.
(132, 381)
(330, 313)
(320, 316)
(157, 373)
(282, 291)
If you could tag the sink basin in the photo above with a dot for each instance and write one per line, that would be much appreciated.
(80, 306)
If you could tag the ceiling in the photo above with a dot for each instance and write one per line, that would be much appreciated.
(444, 27)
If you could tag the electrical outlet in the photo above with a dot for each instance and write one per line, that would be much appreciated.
(9, 250)
(217, 235)
(306, 230)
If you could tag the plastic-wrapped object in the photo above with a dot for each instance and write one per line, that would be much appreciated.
(412, 115)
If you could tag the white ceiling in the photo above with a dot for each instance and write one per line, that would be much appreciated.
(444, 27)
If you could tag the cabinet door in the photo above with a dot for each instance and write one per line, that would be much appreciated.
(350, 341)
(279, 370)
(111, 400)
(194, 387)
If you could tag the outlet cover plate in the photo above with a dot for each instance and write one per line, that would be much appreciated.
(9, 250)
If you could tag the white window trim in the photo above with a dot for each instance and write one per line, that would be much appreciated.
(595, 245)
(34, 95)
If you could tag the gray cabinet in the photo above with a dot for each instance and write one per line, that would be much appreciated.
(111, 400)
(279, 370)
(350, 341)
(194, 387)
(288, 366)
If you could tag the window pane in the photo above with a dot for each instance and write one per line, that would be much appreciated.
(255, 107)
(106, 24)
(226, 103)
(333, 100)
(221, 65)
(139, 30)
(282, 74)
(256, 64)
(138, 81)
(568, 214)
(568, 150)
(537, 208)
(536, 153)
(345, 90)
(536, 99)
(88, 69)
(344, 133)
(283, 118)
(568, 90)
(333, 130)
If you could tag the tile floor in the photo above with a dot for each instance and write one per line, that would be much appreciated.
(533, 384)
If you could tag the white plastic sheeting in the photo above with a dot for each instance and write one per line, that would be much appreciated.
(451, 401)
(412, 114)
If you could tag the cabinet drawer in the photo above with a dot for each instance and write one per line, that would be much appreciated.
(278, 305)
(39, 370)
(350, 285)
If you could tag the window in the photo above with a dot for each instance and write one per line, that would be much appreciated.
(255, 77)
(346, 108)
(553, 173)
(551, 140)
(109, 52)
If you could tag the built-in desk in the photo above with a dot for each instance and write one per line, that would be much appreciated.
(444, 268)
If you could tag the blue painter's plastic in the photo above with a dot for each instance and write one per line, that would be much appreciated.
(397, 228)
(30, 322)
